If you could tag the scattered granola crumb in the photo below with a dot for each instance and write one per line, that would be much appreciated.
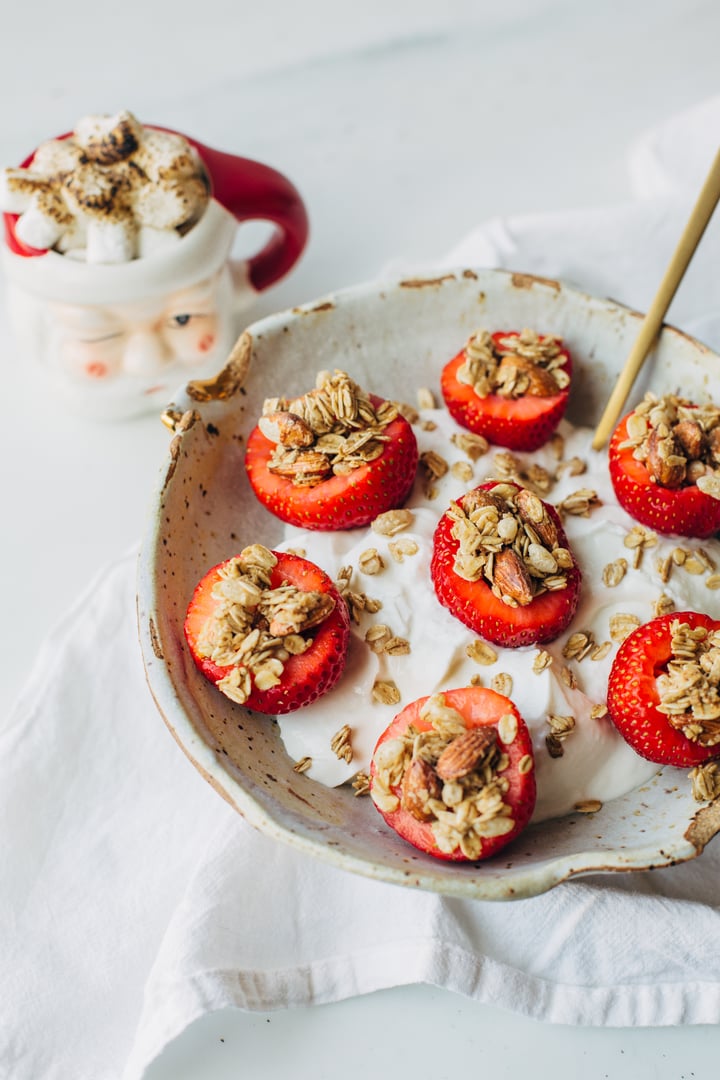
(622, 625)
(341, 744)
(588, 806)
(426, 398)
(560, 728)
(402, 547)
(579, 503)
(462, 471)
(663, 605)
(568, 677)
(481, 652)
(542, 660)
(361, 784)
(385, 692)
(637, 540)
(392, 522)
(475, 446)
(371, 561)
(502, 683)
(705, 781)
(614, 572)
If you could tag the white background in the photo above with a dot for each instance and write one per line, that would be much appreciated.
(403, 125)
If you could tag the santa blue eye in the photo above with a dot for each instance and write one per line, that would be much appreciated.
(181, 320)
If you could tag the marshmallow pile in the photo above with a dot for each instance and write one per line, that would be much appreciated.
(111, 192)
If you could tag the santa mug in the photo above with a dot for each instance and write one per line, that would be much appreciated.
(117, 252)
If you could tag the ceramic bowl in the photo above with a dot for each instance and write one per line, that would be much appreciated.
(391, 338)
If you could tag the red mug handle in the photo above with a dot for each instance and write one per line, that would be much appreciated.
(253, 191)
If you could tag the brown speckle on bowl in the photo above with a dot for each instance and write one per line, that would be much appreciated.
(156, 646)
(527, 281)
(422, 283)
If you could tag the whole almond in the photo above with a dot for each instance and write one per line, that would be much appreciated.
(287, 429)
(714, 444)
(523, 377)
(420, 783)
(307, 463)
(465, 752)
(511, 577)
(531, 510)
(691, 438)
(665, 461)
(478, 497)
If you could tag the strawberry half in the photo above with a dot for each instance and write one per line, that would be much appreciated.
(269, 629)
(659, 487)
(464, 754)
(647, 674)
(510, 387)
(503, 595)
(333, 459)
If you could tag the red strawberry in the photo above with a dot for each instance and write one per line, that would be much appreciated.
(305, 675)
(532, 619)
(325, 499)
(524, 422)
(683, 510)
(503, 744)
(634, 695)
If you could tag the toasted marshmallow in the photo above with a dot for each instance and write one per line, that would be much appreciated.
(18, 188)
(74, 240)
(171, 204)
(45, 220)
(107, 140)
(93, 192)
(165, 156)
(111, 241)
(58, 157)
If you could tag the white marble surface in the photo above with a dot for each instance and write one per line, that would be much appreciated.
(404, 125)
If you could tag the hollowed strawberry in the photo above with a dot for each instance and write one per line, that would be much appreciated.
(510, 387)
(510, 600)
(659, 670)
(658, 473)
(283, 623)
(454, 774)
(334, 458)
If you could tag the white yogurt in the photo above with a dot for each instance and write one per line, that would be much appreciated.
(596, 762)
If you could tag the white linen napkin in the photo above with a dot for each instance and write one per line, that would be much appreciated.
(133, 900)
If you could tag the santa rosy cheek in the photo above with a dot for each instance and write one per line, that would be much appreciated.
(96, 369)
(206, 343)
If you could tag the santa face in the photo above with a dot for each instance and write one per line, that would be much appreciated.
(124, 359)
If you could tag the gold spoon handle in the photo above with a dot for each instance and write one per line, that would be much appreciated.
(692, 234)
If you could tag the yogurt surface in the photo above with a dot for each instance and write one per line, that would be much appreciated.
(627, 572)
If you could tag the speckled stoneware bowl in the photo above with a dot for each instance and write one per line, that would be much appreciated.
(392, 339)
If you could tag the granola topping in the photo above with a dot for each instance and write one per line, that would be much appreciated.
(689, 690)
(507, 538)
(678, 442)
(450, 777)
(331, 430)
(256, 628)
(514, 366)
